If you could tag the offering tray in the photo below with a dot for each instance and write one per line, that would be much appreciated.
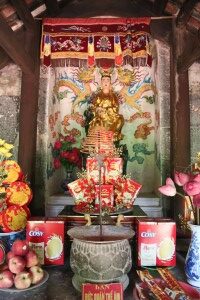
(94, 212)
(192, 292)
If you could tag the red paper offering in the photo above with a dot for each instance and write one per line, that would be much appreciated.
(18, 193)
(113, 169)
(107, 195)
(126, 191)
(129, 191)
(110, 172)
(82, 190)
(93, 171)
(111, 291)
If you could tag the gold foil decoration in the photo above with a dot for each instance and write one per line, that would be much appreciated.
(99, 141)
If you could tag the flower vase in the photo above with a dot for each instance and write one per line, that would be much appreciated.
(192, 262)
(68, 178)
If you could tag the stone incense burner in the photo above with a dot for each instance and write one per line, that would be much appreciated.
(100, 255)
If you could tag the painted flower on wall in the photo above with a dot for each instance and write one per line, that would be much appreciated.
(66, 154)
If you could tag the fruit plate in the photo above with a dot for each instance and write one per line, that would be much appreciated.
(192, 292)
(14, 290)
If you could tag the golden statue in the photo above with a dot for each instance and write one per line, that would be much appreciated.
(105, 110)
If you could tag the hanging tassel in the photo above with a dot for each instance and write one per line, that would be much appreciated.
(91, 59)
(148, 52)
(118, 51)
(47, 51)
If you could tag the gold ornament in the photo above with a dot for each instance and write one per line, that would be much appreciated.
(105, 110)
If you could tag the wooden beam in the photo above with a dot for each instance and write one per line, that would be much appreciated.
(161, 29)
(52, 8)
(190, 54)
(159, 6)
(24, 14)
(147, 7)
(184, 63)
(4, 59)
(14, 48)
(125, 8)
(185, 12)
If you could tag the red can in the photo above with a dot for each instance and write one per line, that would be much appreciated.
(156, 242)
(46, 238)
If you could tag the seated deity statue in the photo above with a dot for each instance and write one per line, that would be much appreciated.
(105, 110)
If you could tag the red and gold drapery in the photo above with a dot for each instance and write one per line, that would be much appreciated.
(104, 42)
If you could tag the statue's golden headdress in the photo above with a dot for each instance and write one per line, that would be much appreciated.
(106, 72)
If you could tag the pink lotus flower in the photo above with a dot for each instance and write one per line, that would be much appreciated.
(197, 178)
(190, 184)
(192, 188)
(169, 189)
(196, 200)
(181, 178)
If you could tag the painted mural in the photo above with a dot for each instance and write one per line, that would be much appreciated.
(73, 57)
(72, 92)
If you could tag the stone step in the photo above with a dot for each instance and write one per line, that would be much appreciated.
(147, 199)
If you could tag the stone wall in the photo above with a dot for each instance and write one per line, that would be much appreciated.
(194, 92)
(10, 90)
(162, 79)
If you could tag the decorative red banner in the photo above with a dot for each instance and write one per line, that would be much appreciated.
(105, 42)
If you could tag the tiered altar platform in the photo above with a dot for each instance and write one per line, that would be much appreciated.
(149, 203)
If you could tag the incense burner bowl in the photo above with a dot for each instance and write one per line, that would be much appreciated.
(100, 259)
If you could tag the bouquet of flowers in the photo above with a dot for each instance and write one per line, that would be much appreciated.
(66, 154)
(186, 184)
(15, 194)
(5, 153)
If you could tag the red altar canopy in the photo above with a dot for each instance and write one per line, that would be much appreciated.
(103, 42)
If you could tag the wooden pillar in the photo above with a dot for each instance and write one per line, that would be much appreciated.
(180, 106)
(28, 110)
(28, 124)
(182, 125)
(179, 112)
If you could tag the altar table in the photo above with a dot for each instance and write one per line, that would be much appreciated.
(59, 285)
